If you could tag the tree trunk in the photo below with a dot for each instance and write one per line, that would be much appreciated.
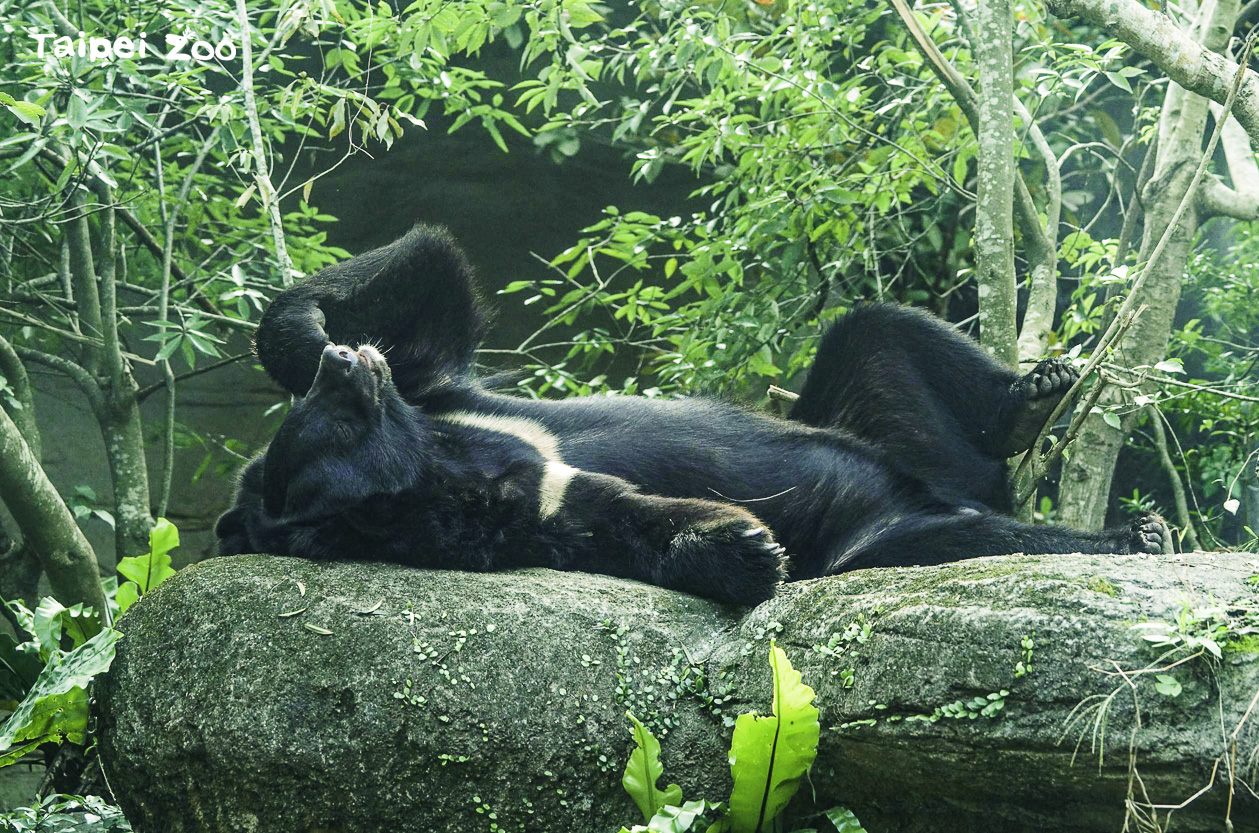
(46, 524)
(994, 210)
(19, 565)
(1084, 488)
(123, 433)
(1084, 491)
(119, 415)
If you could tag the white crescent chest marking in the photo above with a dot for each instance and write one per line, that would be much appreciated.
(555, 473)
(555, 479)
(522, 428)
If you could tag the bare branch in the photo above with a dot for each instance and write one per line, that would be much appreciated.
(77, 374)
(145, 392)
(1173, 477)
(1240, 202)
(1042, 293)
(266, 191)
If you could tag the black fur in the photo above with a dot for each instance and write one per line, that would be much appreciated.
(894, 454)
(416, 296)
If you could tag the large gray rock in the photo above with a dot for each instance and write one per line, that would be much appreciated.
(404, 700)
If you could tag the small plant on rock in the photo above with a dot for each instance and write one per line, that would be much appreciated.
(770, 755)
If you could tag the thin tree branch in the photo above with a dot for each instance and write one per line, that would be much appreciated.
(1177, 383)
(83, 276)
(146, 392)
(1042, 294)
(76, 373)
(266, 191)
(1059, 448)
(1039, 242)
(1173, 478)
(23, 415)
(170, 218)
(115, 365)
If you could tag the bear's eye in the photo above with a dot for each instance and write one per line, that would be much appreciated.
(347, 429)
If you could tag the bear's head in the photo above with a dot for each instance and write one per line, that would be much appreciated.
(351, 437)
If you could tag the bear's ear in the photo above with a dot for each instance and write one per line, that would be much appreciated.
(414, 299)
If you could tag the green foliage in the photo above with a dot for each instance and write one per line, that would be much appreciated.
(55, 709)
(106, 119)
(844, 649)
(844, 821)
(1214, 437)
(24, 110)
(769, 757)
(49, 622)
(678, 819)
(1024, 666)
(146, 572)
(1204, 630)
(643, 770)
(44, 680)
(1167, 685)
(771, 754)
(66, 814)
(783, 113)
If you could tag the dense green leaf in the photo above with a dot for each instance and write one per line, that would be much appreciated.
(771, 754)
(1167, 685)
(52, 620)
(24, 110)
(18, 671)
(128, 594)
(644, 770)
(65, 814)
(844, 820)
(149, 571)
(56, 707)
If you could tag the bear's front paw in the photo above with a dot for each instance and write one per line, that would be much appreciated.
(745, 564)
(1149, 534)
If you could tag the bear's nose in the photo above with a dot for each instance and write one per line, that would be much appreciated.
(339, 356)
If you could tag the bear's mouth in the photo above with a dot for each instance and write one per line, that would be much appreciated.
(377, 368)
(375, 362)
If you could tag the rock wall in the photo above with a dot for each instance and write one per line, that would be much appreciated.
(267, 694)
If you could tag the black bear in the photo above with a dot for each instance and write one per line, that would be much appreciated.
(894, 453)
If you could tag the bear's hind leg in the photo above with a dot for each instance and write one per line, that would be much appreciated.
(940, 539)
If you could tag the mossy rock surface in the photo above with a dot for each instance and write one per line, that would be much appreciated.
(263, 694)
